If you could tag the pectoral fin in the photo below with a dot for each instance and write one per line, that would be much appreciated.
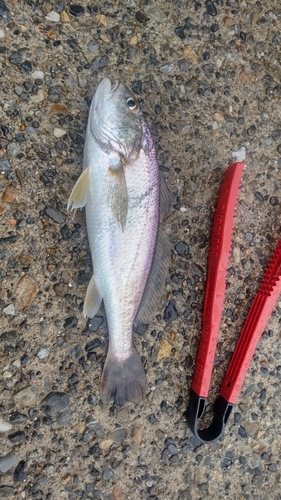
(92, 300)
(79, 193)
(117, 194)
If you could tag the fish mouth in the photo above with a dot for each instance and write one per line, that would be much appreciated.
(107, 89)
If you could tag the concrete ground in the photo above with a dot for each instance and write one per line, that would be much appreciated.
(208, 78)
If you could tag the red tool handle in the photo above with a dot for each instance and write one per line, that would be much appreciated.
(254, 326)
(220, 247)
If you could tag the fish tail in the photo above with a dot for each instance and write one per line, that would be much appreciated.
(123, 379)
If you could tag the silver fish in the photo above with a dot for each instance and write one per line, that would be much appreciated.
(120, 187)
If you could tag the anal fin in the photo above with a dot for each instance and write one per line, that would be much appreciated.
(80, 191)
(92, 300)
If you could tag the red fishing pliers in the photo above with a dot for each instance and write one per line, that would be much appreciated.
(259, 314)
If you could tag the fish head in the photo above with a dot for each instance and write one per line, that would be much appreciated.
(116, 120)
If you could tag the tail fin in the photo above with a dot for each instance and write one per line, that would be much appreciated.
(124, 379)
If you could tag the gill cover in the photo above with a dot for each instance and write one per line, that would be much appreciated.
(115, 120)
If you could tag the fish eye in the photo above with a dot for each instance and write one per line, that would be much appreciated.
(132, 104)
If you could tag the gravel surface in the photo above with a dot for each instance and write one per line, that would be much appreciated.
(208, 78)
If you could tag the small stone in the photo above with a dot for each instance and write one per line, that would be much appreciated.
(53, 16)
(133, 40)
(156, 14)
(59, 132)
(2, 33)
(99, 63)
(119, 435)
(208, 69)
(242, 433)
(7, 462)
(92, 400)
(26, 290)
(5, 165)
(141, 17)
(170, 313)
(9, 195)
(179, 31)
(43, 353)
(244, 76)
(15, 58)
(136, 434)
(64, 17)
(17, 437)
(164, 350)
(70, 322)
(182, 248)
(26, 66)
(167, 68)
(38, 75)
(183, 65)
(140, 328)
(227, 21)
(211, 8)
(76, 10)
(4, 426)
(94, 323)
(93, 46)
(60, 289)
(39, 97)
(5, 255)
(5, 12)
(17, 418)
(65, 418)
(65, 479)
(106, 444)
(93, 344)
(82, 82)
(10, 310)
(54, 402)
(190, 54)
(272, 468)
(101, 19)
(20, 473)
(26, 259)
(117, 493)
(173, 449)
(26, 396)
(55, 214)
(57, 108)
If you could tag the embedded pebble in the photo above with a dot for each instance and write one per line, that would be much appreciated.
(26, 396)
(4, 426)
(93, 46)
(76, 10)
(26, 290)
(43, 353)
(55, 214)
(170, 312)
(59, 132)
(9, 310)
(38, 74)
(119, 435)
(164, 350)
(156, 14)
(54, 402)
(7, 462)
(53, 16)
